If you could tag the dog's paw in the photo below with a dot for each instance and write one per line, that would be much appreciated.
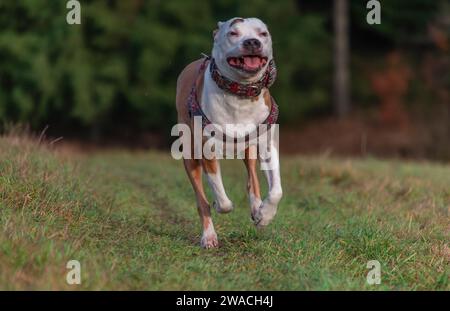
(223, 207)
(209, 240)
(264, 214)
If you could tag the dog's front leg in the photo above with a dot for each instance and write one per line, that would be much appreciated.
(268, 209)
(253, 189)
(222, 203)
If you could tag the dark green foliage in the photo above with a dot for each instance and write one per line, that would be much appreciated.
(118, 69)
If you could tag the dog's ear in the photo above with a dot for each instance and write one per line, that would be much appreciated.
(216, 31)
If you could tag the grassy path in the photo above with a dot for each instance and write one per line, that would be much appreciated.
(130, 219)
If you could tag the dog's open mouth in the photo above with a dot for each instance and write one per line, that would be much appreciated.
(248, 63)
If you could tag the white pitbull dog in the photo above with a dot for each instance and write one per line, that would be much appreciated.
(231, 88)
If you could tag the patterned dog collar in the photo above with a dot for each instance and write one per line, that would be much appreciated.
(195, 109)
(246, 90)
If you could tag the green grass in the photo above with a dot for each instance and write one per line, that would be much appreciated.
(130, 219)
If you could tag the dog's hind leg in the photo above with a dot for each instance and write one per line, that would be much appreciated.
(222, 203)
(253, 188)
(194, 171)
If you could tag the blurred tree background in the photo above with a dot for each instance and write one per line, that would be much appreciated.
(115, 74)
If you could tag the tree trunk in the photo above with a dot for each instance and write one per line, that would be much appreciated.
(341, 81)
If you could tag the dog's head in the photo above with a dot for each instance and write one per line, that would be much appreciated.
(242, 48)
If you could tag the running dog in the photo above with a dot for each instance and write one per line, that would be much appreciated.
(232, 87)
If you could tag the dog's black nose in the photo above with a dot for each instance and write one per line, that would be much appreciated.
(252, 44)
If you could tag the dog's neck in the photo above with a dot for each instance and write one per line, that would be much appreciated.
(224, 108)
(246, 89)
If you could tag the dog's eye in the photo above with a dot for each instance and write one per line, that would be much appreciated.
(264, 34)
(233, 34)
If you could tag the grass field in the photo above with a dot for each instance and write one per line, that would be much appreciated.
(130, 219)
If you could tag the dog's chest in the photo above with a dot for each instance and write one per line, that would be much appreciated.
(223, 108)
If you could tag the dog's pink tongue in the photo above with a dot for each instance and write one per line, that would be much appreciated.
(252, 62)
